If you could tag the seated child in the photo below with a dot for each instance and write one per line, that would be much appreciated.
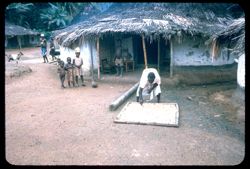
(119, 62)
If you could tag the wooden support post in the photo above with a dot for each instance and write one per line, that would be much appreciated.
(171, 58)
(98, 57)
(115, 104)
(159, 54)
(93, 83)
(19, 42)
(144, 51)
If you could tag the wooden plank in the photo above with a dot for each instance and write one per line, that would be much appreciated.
(115, 104)
(163, 114)
(144, 52)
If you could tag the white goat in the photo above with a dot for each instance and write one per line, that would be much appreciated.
(14, 57)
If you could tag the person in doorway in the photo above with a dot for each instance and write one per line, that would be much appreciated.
(69, 67)
(78, 62)
(119, 63)
(52, 49)
(44, 48)
(149, 85)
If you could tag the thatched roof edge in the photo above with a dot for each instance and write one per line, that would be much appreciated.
(150, 19)
(13, 30)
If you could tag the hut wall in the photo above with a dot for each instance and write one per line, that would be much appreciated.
(12, 42)
(34, 40)
(192, 51)
(193, 63)
(241, 71)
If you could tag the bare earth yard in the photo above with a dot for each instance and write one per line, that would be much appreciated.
(47, 125)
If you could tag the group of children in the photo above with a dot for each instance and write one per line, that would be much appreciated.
(149, 85)
(71, 70)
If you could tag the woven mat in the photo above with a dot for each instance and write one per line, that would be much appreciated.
(164, 114)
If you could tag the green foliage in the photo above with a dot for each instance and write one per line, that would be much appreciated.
(17, 13)
(19, 7)
(56, 16)
(47, 17)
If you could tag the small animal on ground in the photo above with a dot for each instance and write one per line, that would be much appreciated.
(14, 57)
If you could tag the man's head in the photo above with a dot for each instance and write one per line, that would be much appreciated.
(77, 51)
(42, 35)
(68, 59)
(151, 77)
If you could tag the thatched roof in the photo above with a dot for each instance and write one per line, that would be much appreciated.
(152, 20)
(13, 30)
(235, 32)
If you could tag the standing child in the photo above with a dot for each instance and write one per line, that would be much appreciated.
(78, 62)
(44, 48)
(61, 71)
(52, 49)
(69, 67)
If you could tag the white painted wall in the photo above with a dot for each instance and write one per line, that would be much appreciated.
(185, 54)
(241, 71)
(85, 55)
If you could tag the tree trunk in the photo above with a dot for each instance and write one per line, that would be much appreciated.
(115, 104)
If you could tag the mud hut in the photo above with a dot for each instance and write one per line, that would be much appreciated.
(167, 36)
(234, 38)
(18, 36)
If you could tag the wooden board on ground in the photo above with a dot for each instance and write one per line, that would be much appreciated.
(164, 114)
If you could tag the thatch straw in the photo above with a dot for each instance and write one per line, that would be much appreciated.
(150, 19)
(13, 30)
(234, 34)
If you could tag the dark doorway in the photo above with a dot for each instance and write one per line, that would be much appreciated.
(165, 56)
(12, 42)
(152, 53)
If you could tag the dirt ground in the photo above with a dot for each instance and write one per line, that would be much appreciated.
(48, 125)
